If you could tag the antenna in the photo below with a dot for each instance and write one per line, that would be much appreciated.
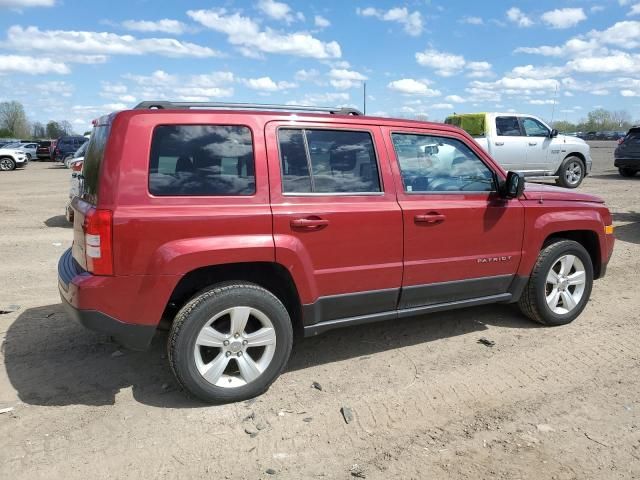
(364, 98)
(553, 109)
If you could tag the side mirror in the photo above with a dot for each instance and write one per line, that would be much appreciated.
(554, 133)
(513, 186)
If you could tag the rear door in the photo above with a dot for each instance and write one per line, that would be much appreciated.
(461, 240)
(336, 221)
(510, 144)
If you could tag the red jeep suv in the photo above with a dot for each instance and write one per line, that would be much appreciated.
(239, 224)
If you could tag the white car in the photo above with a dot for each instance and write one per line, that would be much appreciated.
(75, 164)
(12, 158)
(28, 148)
(526, 144)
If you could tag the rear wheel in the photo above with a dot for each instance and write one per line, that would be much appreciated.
(7, 164)
(627, 172)
(571, 172)
(560, 284)
(229, 343)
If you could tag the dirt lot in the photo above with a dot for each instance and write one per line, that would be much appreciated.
(428, 400)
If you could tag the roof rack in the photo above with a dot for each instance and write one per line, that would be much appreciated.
(163, 104)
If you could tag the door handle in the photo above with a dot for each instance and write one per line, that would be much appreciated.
(533, 144)
(430, 218)
(309, 223)
(499, 144)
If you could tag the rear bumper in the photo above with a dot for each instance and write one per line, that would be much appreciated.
(627, 163)
(83, 295)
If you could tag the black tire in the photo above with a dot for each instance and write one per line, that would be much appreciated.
(7, 164)
(533, 301)
(198, 311)
(571, 164)
(627, 172)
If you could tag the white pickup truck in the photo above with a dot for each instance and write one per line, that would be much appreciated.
(526, 144)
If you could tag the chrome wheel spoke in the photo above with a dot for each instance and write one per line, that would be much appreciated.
(577, 278)
(566, 263)
(552, 277)
(249, 370)
(210, 337)
(214, 369)
(239, 318)
(261, 338)
(553, 298)
(568, 301)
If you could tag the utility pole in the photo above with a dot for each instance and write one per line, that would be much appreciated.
(364, 98)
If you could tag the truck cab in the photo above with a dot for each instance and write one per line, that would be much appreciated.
(526, 144)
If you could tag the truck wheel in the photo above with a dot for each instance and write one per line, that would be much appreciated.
(230, 342)
(627, 172)
(7, 164)
(571, 172)
(560, 284)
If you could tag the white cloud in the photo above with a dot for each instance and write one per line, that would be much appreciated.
(411, 21)
(442, 106)
(331, 98)
(410, 86)
(165, 25)
(454, 98)
(596, 9)
(321, 22)
(305, 75)
(246, 34)
(542, 102)
(30, 65)
(564, 17)
(165, 86)
(266, 84)
(445, 64)
(26, 3)
(56, 88)
(472, 20)
(635, 10)
(629, 93)
(518, 17)
(479, 69)
(529, 71)
(276, 10)
(104, 43)
(618, 62)
(342, 78)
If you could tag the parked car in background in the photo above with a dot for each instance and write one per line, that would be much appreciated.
(28, 148)
(75, 164)
(240, 228)
(67, 145)
(43, 152)
(627, 154)
(12, 158)
(77, 154)
(526, 144)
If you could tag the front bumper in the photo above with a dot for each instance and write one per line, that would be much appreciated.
(70, 280)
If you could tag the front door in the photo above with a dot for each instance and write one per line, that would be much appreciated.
(461, 240)
(337, 224)
(540, 154)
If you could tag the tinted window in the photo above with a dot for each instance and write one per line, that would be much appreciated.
(328, 161)
(439, 164)
(508, 127)
(533, 128)
(633, 137)
(201, 160)
(92, 161)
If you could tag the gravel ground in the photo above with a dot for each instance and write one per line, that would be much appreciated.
(428, 400)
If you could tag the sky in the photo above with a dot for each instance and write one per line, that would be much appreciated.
(76, 60)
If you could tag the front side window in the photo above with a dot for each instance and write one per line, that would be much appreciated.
(201, 160)
(327, 161)
(533, 128)
(438, 164)
(508, 127)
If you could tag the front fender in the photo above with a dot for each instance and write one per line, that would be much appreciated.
(540, 225)
(182, 256)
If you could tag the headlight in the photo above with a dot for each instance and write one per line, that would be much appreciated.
(18, 152)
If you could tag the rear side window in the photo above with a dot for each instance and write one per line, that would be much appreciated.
(205, 160)
(327, 161)
(92, 161)
(508, 127)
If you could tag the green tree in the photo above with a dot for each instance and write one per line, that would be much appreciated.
(53, 129)
(14, 119)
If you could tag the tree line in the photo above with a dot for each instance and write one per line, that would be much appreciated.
(15, 124)
(599, 120)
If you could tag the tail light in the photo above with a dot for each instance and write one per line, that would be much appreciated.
(77, 167)
(620, 140)
(98, 240)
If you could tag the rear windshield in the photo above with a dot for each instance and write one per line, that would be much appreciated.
(632, 137)
(45, 144)
(92, 161)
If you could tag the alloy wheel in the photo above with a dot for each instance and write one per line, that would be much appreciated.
(565, 284)
(6, 164)
(573, 173)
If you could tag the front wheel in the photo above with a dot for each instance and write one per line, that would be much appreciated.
(28, 156)
(571, 172)
(627, 172)
(560, 284)
(7, 164)
(229, 343)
